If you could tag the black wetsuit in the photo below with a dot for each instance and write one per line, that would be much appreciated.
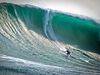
(67, 52)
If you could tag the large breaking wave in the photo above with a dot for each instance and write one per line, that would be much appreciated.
(33, 41)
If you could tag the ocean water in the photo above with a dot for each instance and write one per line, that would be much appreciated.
(33, 41)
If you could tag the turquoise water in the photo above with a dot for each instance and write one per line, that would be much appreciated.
(33, 42)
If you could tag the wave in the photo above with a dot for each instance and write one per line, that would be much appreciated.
(30, 67)
(41, 36)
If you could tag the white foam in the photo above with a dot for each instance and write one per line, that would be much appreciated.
(25, 62)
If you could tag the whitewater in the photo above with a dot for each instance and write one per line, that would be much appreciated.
(33, 41)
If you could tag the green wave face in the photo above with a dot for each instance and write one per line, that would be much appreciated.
(80, 32)
(33, 42)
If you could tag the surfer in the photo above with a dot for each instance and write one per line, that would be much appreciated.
(67, 51)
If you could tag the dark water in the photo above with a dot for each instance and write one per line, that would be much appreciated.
(33, 42)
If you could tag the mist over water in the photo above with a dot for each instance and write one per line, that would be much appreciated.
(34, 41)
